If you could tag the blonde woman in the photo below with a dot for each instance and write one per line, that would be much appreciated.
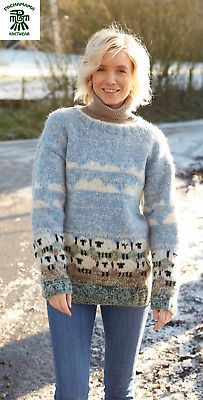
(104, 218)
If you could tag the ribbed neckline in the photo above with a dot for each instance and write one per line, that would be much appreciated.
(100, 111)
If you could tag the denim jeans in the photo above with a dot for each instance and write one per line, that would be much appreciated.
(71, 341)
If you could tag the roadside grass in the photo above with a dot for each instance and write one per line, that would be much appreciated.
(22, 119)
(20, 123)
(172, 105)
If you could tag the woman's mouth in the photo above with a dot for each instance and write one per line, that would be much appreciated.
(110, 90)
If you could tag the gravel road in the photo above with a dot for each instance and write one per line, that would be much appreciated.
(170, 362)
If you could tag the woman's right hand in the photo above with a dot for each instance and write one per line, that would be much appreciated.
(61, 302)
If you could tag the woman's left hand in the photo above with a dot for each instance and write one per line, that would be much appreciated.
(161, 317)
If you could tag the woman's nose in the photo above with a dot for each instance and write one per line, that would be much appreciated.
(111, 79)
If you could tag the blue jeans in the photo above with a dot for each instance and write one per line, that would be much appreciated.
(71, 341)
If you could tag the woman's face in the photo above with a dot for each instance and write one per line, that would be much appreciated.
(112, 80)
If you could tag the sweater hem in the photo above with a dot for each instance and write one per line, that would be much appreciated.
(109, 295)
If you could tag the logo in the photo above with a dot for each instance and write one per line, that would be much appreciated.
(19, 18)
(20, 21)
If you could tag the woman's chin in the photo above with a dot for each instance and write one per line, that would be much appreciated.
(113, 103)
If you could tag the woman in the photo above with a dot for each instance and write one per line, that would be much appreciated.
(104, 219)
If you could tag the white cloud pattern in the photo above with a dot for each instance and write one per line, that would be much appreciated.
(40, 204)
(95, 166)
(170, 219)
(132, 190)
(134, 171)
(56, 187)
(95, 185)
(98, 186)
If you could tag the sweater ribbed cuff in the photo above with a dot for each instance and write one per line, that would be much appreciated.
(56, 286)
(163, 301)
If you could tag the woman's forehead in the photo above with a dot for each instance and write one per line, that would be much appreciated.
(120, 58)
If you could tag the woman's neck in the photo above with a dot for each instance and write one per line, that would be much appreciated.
(99, 110)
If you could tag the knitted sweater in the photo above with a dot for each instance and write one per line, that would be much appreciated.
(103, 215)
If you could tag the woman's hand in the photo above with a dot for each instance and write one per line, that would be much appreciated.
(61, 302)
(161, 317)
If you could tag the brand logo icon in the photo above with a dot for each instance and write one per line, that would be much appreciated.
(20, 21)
(19, 18)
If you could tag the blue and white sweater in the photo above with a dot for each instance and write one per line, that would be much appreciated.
(104, 213)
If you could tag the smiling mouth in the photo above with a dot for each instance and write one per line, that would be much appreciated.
(110, 90)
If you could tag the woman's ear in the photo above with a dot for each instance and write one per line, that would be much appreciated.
(90, 81)
(133, 90)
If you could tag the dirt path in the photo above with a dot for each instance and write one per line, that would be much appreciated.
(170, 361)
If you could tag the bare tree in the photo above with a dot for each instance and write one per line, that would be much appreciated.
(55, 25)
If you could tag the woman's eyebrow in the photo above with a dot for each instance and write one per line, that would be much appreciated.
(117, 66)
(122, 66)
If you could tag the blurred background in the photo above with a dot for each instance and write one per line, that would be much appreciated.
(39, 76)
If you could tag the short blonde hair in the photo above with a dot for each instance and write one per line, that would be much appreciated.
(115, 39)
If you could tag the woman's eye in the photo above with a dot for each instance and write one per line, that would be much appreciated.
(100, 69)
(123, 71)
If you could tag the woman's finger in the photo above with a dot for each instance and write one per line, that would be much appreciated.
(60, 303)
(155, 314)
(163, 318)
(69, 299)
(160, 323)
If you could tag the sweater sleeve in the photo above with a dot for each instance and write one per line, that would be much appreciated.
(48, 202)
(161, 212)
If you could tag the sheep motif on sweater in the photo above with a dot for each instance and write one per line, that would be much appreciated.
(104, 211)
